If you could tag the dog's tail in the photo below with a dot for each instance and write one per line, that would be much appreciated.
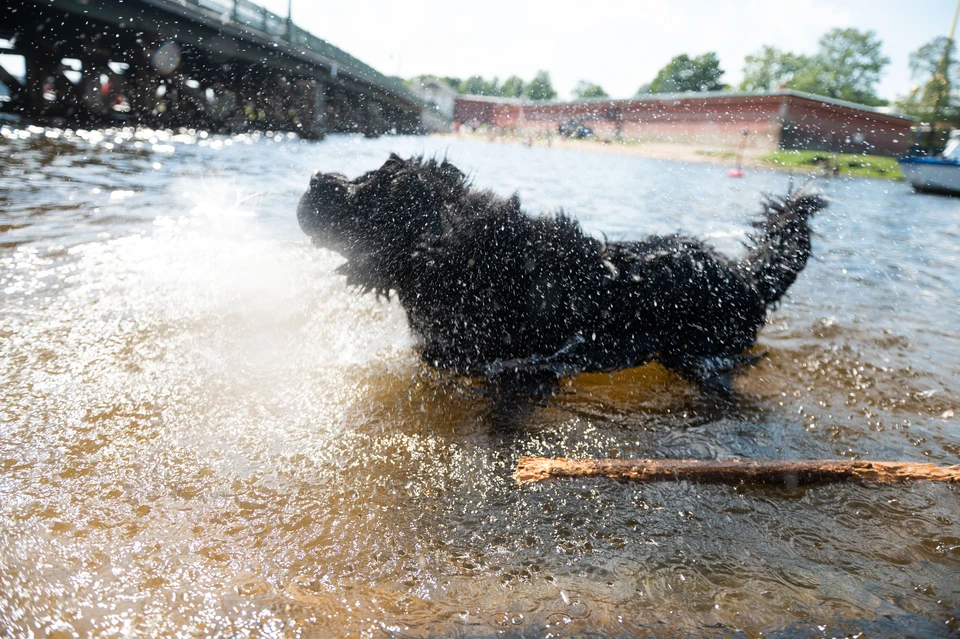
(780, 246)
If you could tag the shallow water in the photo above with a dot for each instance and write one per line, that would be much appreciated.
(203, 432)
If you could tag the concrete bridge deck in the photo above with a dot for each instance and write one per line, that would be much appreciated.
(221, 64)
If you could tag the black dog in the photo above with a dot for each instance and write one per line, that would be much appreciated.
(491, 291)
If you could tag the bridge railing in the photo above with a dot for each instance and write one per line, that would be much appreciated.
(256, 17)
(324, 48)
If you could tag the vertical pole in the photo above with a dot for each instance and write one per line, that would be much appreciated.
(289, 20)
(953, 25)
(942, 78)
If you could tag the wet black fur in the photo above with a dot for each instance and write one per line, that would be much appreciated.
(492, 291)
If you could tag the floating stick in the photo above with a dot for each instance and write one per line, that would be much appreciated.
(783, 473)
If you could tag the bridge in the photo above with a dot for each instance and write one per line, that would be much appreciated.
(218, 64)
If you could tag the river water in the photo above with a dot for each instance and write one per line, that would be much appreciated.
(203, 432)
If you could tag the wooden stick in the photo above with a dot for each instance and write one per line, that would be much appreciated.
(783, 473)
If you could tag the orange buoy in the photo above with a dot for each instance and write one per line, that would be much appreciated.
(737, 172)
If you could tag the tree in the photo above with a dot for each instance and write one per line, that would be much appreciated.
(476, 85)
(512, 87)
(770, 69)
(937, 71)
(540, 88)
(847, 66)
(492, 87)
(683, 74)
(454, 83)
(585, 90)
(472, 85)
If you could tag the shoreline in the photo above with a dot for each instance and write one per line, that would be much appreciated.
(652, 150)
(677, 152)
(753, 158)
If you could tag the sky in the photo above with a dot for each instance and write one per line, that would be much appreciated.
(619, 45)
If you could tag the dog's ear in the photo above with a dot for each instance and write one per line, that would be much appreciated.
(513, 204)
(452, 177)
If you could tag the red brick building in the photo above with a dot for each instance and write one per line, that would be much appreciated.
(778, 120)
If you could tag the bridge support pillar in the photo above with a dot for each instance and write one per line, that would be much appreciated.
(47, 91)
(314, 117)
(100, 87)
(13, 84)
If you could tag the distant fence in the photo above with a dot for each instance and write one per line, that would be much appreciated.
(256, 17)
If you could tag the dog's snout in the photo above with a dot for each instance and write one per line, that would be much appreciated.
(320, 211)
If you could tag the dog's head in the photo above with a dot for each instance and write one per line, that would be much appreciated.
(383, 213)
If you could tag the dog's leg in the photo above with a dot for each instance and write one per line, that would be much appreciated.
(713, 373)
(529, 383)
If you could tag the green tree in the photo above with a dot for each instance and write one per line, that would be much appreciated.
(472, 85)
(512, 87)
(476, 85)
(585, 90)
(936, 69)
(540, 88)
(643, 90)
(454, 83)
(847, 66)
(770, 69)
(683, 74)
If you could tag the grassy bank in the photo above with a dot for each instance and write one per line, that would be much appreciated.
(875, 166)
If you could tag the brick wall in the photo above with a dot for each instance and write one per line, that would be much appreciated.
(778, 120)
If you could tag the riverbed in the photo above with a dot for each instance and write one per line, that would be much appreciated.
(204, 432)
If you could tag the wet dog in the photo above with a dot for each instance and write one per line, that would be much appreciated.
(494, 292)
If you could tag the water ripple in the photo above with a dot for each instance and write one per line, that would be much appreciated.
(204, 432)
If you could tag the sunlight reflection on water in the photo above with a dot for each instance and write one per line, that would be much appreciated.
(206, 433)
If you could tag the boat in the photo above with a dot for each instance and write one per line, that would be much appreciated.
(935, 174)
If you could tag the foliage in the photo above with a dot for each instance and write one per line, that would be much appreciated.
(847, 66)
(585, 90)
(770, 69)
(512, 87)
(453, 83)
(540, 88)
(476, 85)
(683, 74)
(937, 70)
(858, 165)
(925, 62)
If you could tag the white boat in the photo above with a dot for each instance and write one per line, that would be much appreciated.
(937, 174)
